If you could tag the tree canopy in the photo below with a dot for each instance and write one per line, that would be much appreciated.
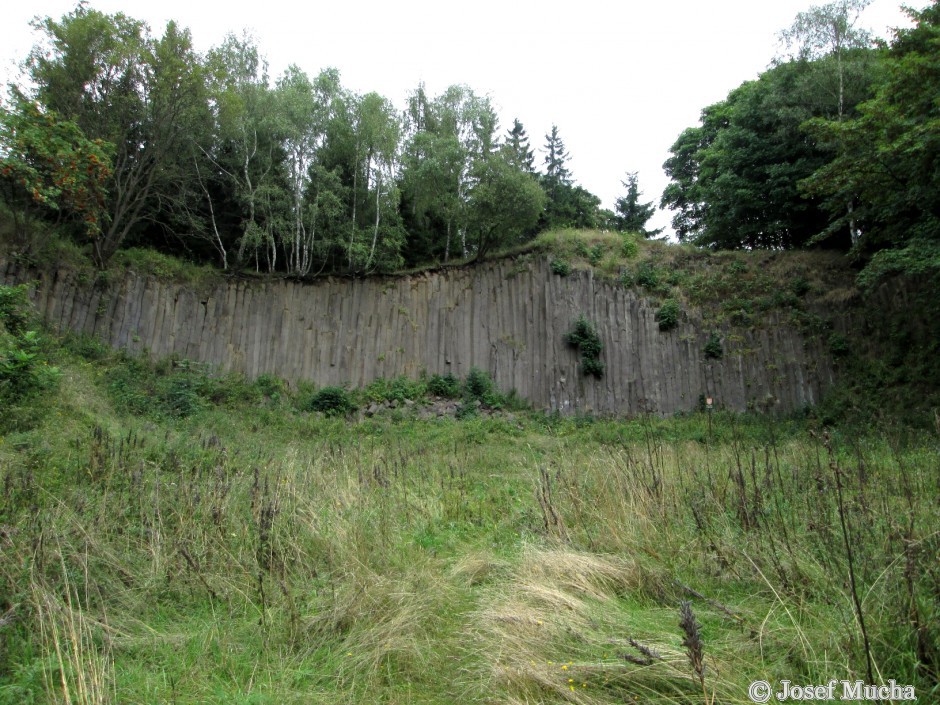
(135, 139)
(130, 137)
(835, 145)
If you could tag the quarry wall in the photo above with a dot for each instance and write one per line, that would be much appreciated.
(507, 317)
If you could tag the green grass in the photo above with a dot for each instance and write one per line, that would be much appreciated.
(146, 261)
(247, 551)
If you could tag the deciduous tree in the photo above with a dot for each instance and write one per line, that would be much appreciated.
(118, 84)
(48, 163)
(888, 162)
(505, 203)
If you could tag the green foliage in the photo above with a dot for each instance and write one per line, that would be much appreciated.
(505, 204)
(24, 365)
(15, 311)
(332, 401)
(735, 177)
(138, 94)
(451, 144)
(713, 347)
(918, 258)
(144, 260)
(629, 248)
(839, 345)
(593, 367)
(595, 254)
(560, 267)
(446, 386)
(478, 386)
(271, 387)
(390, 550)
(800, 286)
(86, 347)
(668, 315)
(649, 276)
(48, 161)
(517, 148)
(398, 389)
(24, 369)
(632, 215)
(567, 205)
(886, 165)
(173, 389)
(584, 337)
(467, 410)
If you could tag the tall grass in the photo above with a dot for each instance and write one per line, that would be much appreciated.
(250, 552)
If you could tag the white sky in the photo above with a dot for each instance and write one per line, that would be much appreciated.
(620, 79)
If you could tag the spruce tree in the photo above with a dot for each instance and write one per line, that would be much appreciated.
(632, 215)
(518, 151)
(556, 173)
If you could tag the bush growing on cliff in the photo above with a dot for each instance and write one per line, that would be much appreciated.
(561, 267)
(668, 315)
(585, 338)
(713, 347)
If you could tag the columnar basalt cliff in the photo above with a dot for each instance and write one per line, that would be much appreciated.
(506, 317)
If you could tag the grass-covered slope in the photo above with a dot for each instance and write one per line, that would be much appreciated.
(168, 536)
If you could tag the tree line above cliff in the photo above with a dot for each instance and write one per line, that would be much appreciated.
(137, 139)
(126, 138)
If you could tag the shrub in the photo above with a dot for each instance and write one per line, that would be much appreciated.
(838, 345)
(668, 315)
(478, 385)
(592, 366)
(596, 253)
(560, 267)
(271, 386)
(446, 386)
(398, 389)
(713, 348)
(24, 368)
(332, 401)
(87, 347)
(737, 267)
(584, 337)
(648, 276)
(800, 286)
(403, 388)
(179, 395)
(14, 309)
(629, 248)
(168, 389)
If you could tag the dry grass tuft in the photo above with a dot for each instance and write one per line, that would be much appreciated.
(476, 568)
(77, 661)
(573, 627)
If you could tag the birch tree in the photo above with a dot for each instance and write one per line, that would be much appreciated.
(831, 30)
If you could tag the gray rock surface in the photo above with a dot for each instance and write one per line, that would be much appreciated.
(506, 319)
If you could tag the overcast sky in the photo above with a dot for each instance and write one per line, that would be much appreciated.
(620, 79)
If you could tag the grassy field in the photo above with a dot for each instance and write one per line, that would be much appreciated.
(171, 537)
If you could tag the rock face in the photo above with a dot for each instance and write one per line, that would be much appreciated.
(507, 317)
